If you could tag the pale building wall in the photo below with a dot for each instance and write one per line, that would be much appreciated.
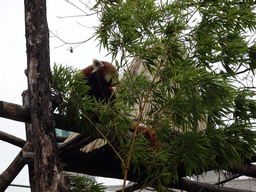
(136, 67)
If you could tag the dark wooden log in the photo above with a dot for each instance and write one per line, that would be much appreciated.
(228, 179)
(12, 139)
(104, 162)
(61, 139)
(48, 173)
(20, 142)
(14, 112)
(22, 114)
(243, 169)
(100, 162)
(193, 186)
(131, 188)
(15, 167)
(74, 144)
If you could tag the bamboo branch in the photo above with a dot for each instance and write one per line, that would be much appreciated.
(137, 126)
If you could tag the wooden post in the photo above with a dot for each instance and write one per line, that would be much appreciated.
(48, 174)
(29, 136)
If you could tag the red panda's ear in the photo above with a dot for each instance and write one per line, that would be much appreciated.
(96, 65)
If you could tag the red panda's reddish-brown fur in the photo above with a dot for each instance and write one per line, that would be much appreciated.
(150, 135)
(101, 76)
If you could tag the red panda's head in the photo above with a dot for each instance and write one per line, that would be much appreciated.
(97, 65)
(105, 70)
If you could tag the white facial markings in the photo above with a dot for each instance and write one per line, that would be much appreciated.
(96, 65)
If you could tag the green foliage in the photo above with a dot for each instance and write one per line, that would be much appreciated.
(194, 61)
(226, 24)
(84, 183)
(194, 52)
(79, 107)
(68, 83)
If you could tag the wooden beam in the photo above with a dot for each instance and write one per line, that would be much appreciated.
(61, 139)
(15, 167)
(12, 139)
(22, 114)
(14, 112)
(74, 144)
(243, 169)
(20, 142)
(193, 186)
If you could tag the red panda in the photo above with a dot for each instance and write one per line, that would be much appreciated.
(101, 76)
(150, 135)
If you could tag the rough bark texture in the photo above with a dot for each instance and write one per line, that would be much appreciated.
(14, 112)
(243, 169)
(12, 139)
(193, 186)
(22, 114)
(15, 167)
(29, 136)
(48, 175)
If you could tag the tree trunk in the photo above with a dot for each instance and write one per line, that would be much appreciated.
(48, 174)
